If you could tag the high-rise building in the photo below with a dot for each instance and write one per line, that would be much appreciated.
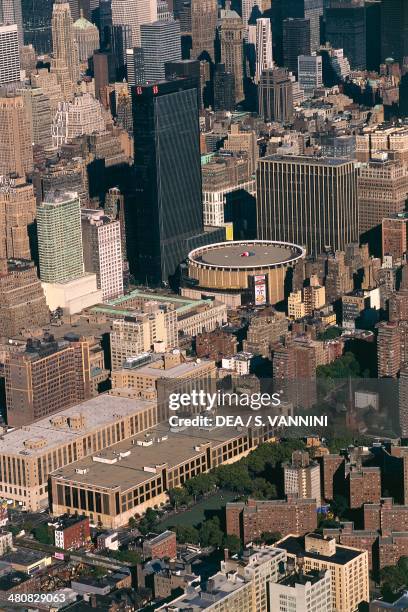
(394, 29)
(59, 238)
(81, 116)
(121, 41)
(64, 47)
(403, 400)
(388, 349)
(37, 24)
(22, 300)
(275, 96)
(134, 13)
(16, 152)
(204, 16)
(326, 215)
(135, 66)
(310, 73)
(348, 567)
(306, 9)
(247, 8)
(11, 13)
(382, 191)
(9, 54)
(102, 247)
(224, 89)
(49, 376)
(17, 213)
(115, 209)
(309, 592)
(296, 41)
(39, 112)
(302, 477)
(395, 236)
(168, 207)
(161, 43)
(232, 39)
(191, 69)
(263, 47)
(87, 38)
(349, 27)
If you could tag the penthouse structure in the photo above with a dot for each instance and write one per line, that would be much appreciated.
(250, 520)
(112, 486)
(29, 454)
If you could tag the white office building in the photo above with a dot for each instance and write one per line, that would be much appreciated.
(9, 54)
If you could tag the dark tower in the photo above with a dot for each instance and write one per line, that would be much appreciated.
(167, 210)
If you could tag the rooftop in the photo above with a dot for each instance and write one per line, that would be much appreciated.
(41, 436)
(299, 578)
(304, 159)
(246, 255)
(296, 546)
(135, 460)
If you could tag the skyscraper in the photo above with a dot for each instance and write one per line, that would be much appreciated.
(224, 89)
(135, 66)
(17, 213)
(37, 24)
(323, 215)
(59, 238)
(310, 73)
(87, 38)
(16, 152)
(134, 13)
(296, 41)
(161, 43)
(64, 47)
(10, 13)
(204, 15)
(9, 54)
(247, 7)
(275, 96)
(263, 47)
(394, 29)
(232, 39)
(168, 209)
(306, 9)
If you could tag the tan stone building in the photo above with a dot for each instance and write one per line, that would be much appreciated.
(348, 567)
(17, 212)
(204, 15)
(16, 153)
(232, 40)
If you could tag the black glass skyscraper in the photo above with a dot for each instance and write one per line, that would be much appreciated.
(394, 29)
(167, 208)
(306, 9)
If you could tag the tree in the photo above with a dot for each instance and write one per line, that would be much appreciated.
(270, 537)
(233, 543)
(339, 505)
(43, 534)
(201, 484)
(126, 556)
(132, 522)
(262, 489)
(179, 497)
(187, 534)
(210, 533)
(150, 521)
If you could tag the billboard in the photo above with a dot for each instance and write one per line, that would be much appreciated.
(261, 297)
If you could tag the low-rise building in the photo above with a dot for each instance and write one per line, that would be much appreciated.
(71, 532)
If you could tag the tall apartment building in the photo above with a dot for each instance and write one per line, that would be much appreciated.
(204, 16)
(49, 376)
(364, 486)
(263, 47)
(134, 13)
(275, 99)
(389, 349)
(9, 54)
(102, 251)
(296, 41)
(38, 106)
(382, 191)
(64, 47)
(348, 567)
(17, 213)
(249, 520)
(59, 238)
(310, 73)
(333, 475)
(22, 300)
(302, 477)
(403, 400)
(310, 592)
(232, 40)
(135, 335)
(395, 235)
(324, 215)
(86, 36)
(160, 43)
(16, 152)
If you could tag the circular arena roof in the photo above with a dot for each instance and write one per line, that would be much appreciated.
(247, 254)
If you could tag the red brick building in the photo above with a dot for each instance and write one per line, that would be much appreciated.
(386, 516)
(250, 520)
(333, 472)
(72, 532)
(392, 548)
(216, 345)
(160, 546)
(362, 539)
(364, 486)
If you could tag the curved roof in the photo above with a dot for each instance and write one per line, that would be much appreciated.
(247, 254)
